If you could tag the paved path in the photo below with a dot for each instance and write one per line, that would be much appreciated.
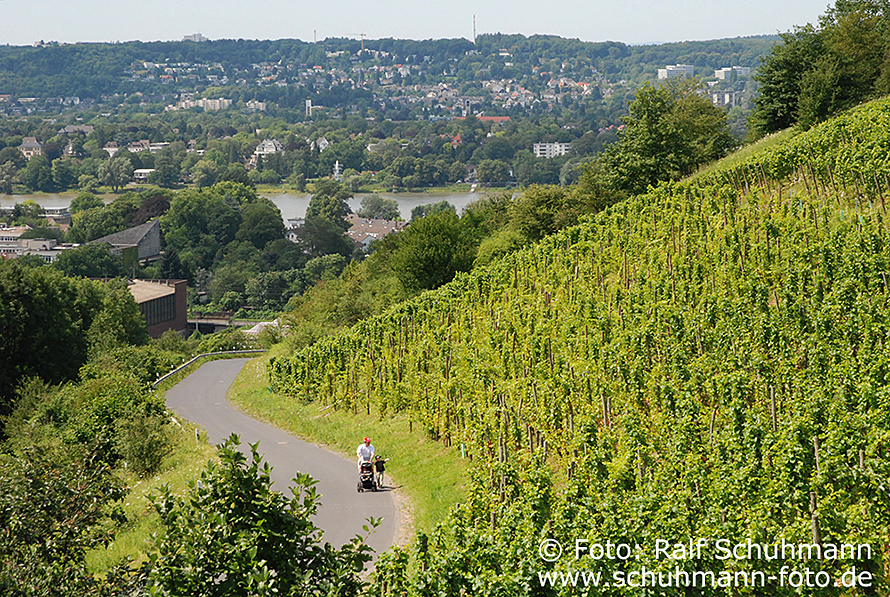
(201, 398)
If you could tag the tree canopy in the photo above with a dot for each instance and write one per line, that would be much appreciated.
(671, 130)
(45, 318)
(377, 207)
(432, 250)
(818, 70)
(324, 230)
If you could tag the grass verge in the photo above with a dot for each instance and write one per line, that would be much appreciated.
(431, 476)
(132, 540)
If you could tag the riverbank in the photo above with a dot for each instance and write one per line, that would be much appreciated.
(452, 189)
(292, 204)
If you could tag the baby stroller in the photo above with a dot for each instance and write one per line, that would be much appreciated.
(366, 477)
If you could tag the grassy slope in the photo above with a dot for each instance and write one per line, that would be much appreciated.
(133, 539)
(746, 153)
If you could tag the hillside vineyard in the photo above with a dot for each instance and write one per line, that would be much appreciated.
(707, 360)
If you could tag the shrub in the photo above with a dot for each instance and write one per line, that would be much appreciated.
(233, 535)
(230, 339)
(143, 440)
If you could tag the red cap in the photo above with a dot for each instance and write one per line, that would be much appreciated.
(367, 439)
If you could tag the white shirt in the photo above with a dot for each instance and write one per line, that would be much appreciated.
(365, 452)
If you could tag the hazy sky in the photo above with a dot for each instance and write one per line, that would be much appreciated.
(23, 22)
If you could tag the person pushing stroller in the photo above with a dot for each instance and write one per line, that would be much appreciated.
(365, 452)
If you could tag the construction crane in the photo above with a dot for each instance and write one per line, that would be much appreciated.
(362, 35)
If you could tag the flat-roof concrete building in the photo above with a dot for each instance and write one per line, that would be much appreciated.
(551, 150)
(163, 304)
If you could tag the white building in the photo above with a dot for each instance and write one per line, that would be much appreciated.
(551, 150)
(268, 147)
(676, 71)
(726, 98)
(321, 144)
(294, 226)
(12, 245)
(726, 73)
(214, 104)
(210, 105)
(140, 175)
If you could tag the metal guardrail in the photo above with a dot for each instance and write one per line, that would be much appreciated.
(201, 356)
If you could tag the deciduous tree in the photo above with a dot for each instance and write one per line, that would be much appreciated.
(377, 207)
(671, 130)
(116, 172)
(432, 250)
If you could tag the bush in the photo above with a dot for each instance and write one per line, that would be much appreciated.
(51, 512)
(233, 535)
(143, 440)
(142, 363)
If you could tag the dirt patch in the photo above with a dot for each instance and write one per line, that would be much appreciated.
(404, 531)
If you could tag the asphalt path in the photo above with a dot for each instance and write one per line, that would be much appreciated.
(201, 398)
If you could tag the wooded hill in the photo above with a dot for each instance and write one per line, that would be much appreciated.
(91, 70)
(708, 359)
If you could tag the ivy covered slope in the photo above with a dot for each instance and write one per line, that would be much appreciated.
(710, 359)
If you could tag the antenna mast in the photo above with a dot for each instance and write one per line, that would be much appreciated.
(474, 30)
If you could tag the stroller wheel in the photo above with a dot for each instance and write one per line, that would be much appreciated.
(359, 488)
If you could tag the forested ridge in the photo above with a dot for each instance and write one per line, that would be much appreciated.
(706, 359)
(90, 70)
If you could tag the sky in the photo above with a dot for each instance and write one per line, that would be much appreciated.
(22, 22)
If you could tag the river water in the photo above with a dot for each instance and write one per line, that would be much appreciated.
(291, 205)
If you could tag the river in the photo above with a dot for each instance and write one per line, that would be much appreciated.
(291, 205)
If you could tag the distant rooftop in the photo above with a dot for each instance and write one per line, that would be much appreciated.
(143, 290)
(128, 237)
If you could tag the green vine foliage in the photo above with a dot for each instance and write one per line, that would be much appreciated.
(708, 359)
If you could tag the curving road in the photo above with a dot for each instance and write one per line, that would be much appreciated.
(201, 398)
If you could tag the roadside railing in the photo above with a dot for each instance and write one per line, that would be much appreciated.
(201, 356)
